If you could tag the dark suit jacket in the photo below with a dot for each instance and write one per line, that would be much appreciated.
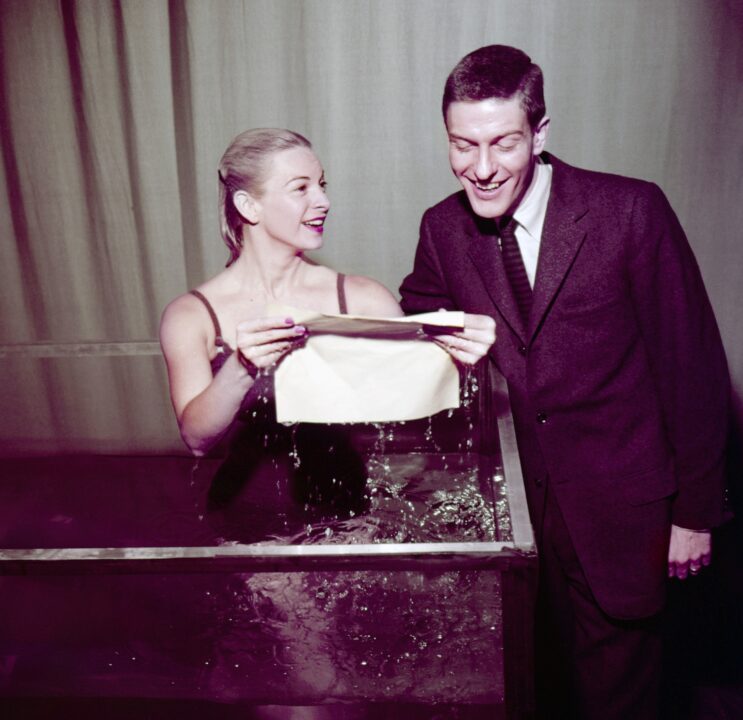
(619, 385)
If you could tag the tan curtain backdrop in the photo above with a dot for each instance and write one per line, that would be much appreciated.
(113, 116)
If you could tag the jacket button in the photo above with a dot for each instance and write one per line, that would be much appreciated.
(522, 349)
(542, 418)
(538, 481)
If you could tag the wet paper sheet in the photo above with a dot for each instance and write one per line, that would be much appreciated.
(358, 369)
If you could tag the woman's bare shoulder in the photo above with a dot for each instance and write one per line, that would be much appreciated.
(183, 308)
(188, 308)
(366, 296)
(184, 318)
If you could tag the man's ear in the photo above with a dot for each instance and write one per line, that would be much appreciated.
(247, 206)
(540, 135)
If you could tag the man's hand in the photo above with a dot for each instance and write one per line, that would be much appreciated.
(472, 342)
(688, 552)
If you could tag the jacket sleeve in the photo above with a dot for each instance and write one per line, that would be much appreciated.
(685, 355)
(425, 289)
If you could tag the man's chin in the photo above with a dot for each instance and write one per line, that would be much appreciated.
(487, 209)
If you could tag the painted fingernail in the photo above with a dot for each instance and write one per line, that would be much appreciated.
(300, 329)
(289, 321)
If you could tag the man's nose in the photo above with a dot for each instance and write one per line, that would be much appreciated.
(486, 166)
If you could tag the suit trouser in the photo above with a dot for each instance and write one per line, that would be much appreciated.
(588, 664)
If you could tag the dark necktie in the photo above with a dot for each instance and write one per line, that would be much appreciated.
(514, 265)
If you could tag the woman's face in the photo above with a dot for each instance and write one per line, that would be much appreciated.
(293, 206)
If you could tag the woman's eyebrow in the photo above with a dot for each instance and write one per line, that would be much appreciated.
(294, 179)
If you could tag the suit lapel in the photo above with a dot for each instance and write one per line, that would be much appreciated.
(562, 236)
(486, 256)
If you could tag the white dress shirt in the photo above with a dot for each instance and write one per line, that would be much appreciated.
(530, 218)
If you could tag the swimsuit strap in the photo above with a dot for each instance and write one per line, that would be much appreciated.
(342, 294)
(218, 341)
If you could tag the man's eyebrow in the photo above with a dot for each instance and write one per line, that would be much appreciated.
(454, 136)
(520, 133)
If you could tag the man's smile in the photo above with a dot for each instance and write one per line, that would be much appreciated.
(487, 189)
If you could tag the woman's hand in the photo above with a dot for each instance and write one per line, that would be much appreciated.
(472, 343)
(262, 343)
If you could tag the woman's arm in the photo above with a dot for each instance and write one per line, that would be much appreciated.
(206, 406)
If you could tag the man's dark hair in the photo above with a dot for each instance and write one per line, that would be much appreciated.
(497, 71)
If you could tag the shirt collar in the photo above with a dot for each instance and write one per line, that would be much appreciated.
(532, 209)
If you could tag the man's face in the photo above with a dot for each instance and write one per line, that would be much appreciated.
(492, 151)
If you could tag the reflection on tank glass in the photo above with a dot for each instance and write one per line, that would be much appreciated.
(360, 635)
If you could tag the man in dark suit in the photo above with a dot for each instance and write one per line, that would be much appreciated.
(616, 374)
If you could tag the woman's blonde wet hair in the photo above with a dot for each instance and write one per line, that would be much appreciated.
(244, 166)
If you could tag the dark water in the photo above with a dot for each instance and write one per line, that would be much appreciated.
(374, 635)
(367, 638)
(408, 498)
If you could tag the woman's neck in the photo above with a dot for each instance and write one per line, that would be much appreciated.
(273, 274)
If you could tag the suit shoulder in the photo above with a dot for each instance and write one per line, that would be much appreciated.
(606, 182)
(453, 205)
(609, 196)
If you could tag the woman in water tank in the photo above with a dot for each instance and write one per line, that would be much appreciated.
(219, 343)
